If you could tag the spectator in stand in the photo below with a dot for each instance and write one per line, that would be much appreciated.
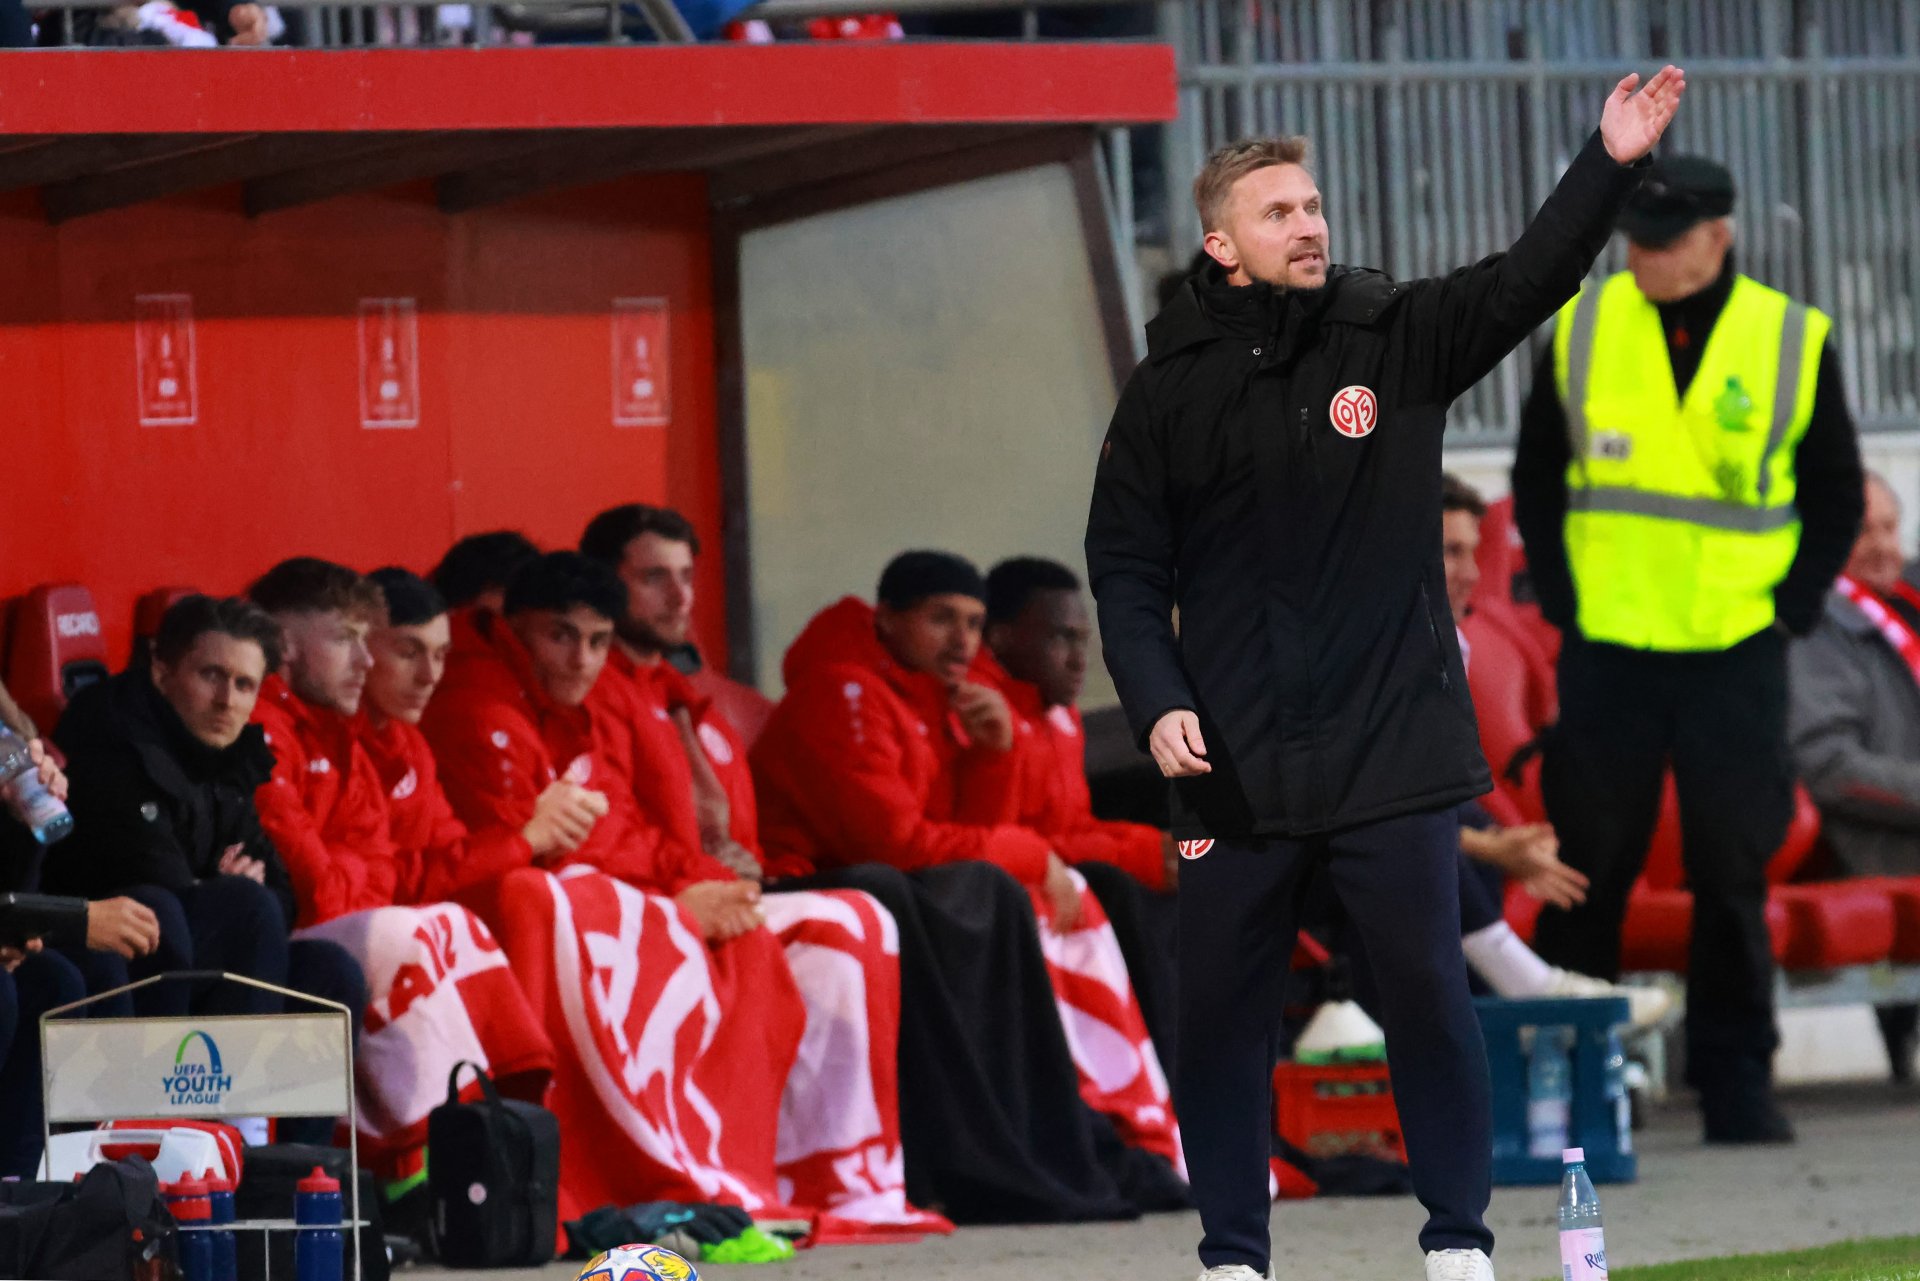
(440, 991)
(476, 570)
(1037, 635)
(886, 751)
(1854, 722)
(165, 763)
(652, 997)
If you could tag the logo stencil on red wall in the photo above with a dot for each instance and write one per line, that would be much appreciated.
(1355, 411)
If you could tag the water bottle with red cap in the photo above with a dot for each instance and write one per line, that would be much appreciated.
(187, 1200)
(318, 1252)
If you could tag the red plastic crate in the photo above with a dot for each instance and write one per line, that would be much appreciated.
(1337, 1110)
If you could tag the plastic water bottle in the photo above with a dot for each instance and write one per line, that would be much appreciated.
(1549, 1094)
(318, 1250)
(226, 1263)
(26, 795)
(1617, 1097)
(187, 1200)
(1583, 1246)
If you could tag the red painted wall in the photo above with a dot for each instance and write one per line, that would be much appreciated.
(515, 374)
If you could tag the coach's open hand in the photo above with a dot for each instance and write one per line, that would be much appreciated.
(1177, 746)
(1632, 122)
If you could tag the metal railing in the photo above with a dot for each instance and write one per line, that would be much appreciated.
(1438, 126)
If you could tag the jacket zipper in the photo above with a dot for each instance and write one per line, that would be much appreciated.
(1433, 630)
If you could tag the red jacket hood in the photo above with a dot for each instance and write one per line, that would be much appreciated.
(488, 660)
(842, 635)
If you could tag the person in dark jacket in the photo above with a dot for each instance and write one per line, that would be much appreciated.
(163, 767)
(1687, 485)
(1273, 472)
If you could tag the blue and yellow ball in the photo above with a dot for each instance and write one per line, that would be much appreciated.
(638, 1263)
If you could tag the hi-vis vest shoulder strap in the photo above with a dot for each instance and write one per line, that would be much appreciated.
(1680, 509)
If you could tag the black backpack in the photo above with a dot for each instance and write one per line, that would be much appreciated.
(493, 1176)
(110, 1226)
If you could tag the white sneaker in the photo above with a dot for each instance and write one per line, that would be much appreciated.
(1646, 1006)
(1235, 1272)
(1459, 1265)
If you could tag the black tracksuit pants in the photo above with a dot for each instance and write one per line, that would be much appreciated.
(1399, 881)
(1719, 719)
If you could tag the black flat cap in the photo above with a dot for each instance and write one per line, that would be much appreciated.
(1679, 192)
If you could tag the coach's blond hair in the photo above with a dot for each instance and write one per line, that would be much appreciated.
(1235, 161)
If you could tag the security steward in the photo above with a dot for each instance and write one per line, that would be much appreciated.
(1687, 484)
(1273, 471)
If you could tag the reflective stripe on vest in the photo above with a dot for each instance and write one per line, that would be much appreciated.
(1680, 517)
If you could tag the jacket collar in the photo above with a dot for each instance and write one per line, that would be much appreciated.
(1206, 308)
(129, 709)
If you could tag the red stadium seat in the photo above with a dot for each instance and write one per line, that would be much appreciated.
(57, 648)
(1513, 697)
(1503, 561)
(1903, 893)
(1835, 924)
(1660, 924)
(149, 610)
(746, 707)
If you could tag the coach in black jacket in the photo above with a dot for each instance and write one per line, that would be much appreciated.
(1273, 472)
(163, 765)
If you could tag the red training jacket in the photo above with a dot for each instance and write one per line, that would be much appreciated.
(1054, 798)
(439, 858)
(500, 740)
(640, 701)
(324, 807)
(865, 762)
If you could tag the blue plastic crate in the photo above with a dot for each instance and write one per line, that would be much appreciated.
(1592, 1124)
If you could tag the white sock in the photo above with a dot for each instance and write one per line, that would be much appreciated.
(1507, 964)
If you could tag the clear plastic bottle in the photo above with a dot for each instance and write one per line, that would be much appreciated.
(1583, 1246)
(26, 795)
(1617, 1097)
(1549, 1094)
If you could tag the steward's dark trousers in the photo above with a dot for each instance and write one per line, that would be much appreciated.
(1719, 719)
(1399, 881)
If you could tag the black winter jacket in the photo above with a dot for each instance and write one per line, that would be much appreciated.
(1314, 639)
(152, 805)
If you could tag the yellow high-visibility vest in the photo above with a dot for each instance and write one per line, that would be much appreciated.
(1680, 516)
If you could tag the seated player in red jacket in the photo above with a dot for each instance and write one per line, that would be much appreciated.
(885, 750)
(840, 1147)
(990, 1136)
(675, 1013)
(323, 805)
(439, 990)
(1037, 637)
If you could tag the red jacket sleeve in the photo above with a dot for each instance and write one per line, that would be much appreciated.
(1134, 848)
(851, 777)
(354, 870)
(492, 767)
(457, 858)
